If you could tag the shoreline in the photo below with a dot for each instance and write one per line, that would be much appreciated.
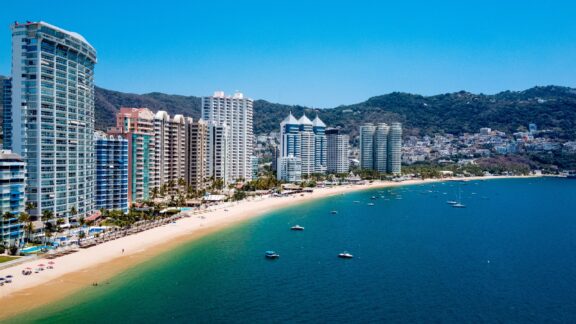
(79, 270)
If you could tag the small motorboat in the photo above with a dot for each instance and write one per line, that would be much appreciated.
(371, 204)
(297, 228)
(373, 197)
(334, 212)
(345, 255)
(356, 201)
(451, 202)
(271, 255)
(459, 205)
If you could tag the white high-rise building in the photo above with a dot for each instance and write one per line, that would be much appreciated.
(381, 147)
(169, 159)
(235, 114)
(304, 141)
(395, 149)
(367, 146)
(337, 157)
(52, 118)
(218, 152)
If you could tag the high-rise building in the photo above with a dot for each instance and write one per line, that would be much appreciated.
(289, 169)
(6, 113)
(111, 172)
(337, 157)
(12, 197)
(52, 117)
(304, 140)
(136, 125)
(235, 113)
(197, 133)
(218, 152)
(395, 149)
(367, 146)
(169, 149)
(320, 145)
(255, 167)
(381, 147)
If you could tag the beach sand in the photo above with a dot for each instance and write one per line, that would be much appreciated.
(80, 270)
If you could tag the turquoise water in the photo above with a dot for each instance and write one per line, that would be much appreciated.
(510, 256)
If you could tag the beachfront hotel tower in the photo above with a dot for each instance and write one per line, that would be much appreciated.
(380, 147)
(337, 157)
(302, 142)
(235, 114)
(52, 118)
(12, 198)
(111, 172)
(196, 153)
(6, 95)
(169, 159)
(136, 125)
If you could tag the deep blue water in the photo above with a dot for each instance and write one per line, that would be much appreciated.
(510, 256)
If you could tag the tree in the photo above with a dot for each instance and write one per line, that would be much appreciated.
(24, 218)
(154, 192)
(6, 217)
(73, 211)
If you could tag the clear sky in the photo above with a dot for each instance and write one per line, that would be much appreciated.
(315, 53)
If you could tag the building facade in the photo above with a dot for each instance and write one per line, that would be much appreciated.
(197, 134)
(169, 158)
(136, 125)
(111, 172)
(289, 169)
(52, 117)
(218, 152)
(235, 113)
(381, 147)
(12, 197)
(337, 152)
(304, 140)
(6, 113)
(394, 165)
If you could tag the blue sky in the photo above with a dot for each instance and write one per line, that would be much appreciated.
(320, 54)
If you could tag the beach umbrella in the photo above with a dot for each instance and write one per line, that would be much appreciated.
(1, 279)
(41, 265)
(51, 262)
(9, 276)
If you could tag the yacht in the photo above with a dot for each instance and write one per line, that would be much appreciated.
(297, 228)
(345, 255)
(272, 255)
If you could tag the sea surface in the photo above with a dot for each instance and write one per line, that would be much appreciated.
(508, 257)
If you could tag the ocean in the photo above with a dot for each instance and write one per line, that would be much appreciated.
(509, 256)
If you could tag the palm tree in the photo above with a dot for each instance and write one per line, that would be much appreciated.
(6, 217)
(24, 218)
(73, 211)
(154, 192)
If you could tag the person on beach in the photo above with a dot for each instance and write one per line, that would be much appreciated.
(122, 251)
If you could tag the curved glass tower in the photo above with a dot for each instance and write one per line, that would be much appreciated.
(53, 118)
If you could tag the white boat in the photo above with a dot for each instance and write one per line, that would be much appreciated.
(371, 204)
(334, 212)
(297, 228)
(345, 255)
(451, 202)
(459, 205)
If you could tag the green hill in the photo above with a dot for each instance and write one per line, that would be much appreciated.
(550, 107)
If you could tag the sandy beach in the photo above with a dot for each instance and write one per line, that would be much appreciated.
(80, 270)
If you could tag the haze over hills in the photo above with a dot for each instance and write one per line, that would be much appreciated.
(550, 107)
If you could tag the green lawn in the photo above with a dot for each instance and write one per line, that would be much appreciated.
(7, 258)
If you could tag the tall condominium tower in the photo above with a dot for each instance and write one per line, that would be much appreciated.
(111, 172)
(234, 112)
(303, 147)
(170, 149)
(218, 159)
(6, 102)
(367, 146)
(137, 126)
(197, 133)
(320, 145)
(337, 157)
(52, 117)
(380, 147)
(395, 149)
(12, 199)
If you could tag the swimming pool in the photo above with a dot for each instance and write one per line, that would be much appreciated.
(185, 208)
(35, 249)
